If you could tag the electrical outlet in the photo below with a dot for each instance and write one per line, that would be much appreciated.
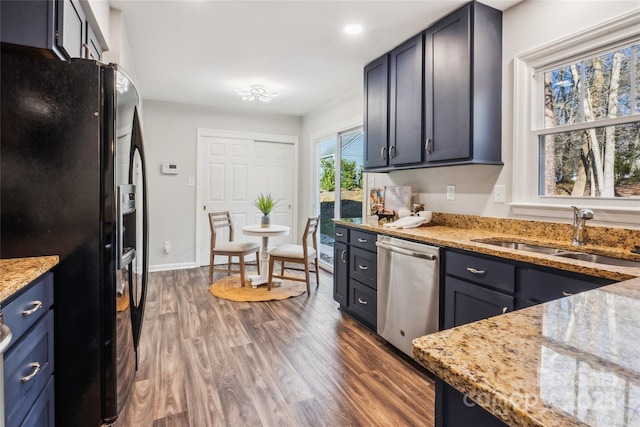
(499, 195)
(167, 246)
(191, 182)
(451, 192)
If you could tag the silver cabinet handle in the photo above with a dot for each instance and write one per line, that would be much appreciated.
(362, 240)
(363, 302)
(566, 294)
(476, 272)
(362, 267)
(342, 256)
(339, 234)
(504, 309)
(36, 306)
(383, 152)
(35, 366)
(392, 151)
(427, 145)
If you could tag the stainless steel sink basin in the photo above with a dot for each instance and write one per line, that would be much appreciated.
(521, 246)
(548, 250)
(600, 259)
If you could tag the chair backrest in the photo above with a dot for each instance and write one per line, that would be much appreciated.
(220, 220)
(311, 230)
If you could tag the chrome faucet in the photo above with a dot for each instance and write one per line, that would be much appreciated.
(580, 216)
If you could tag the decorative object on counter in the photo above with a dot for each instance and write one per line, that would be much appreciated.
(417, 207)
(376, 200)
(229, 288)
(265, 204)
(396, 198)
(426, 215)
(389, 216)
(402, 213)
(636, 250)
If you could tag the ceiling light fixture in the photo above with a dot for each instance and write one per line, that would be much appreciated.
(353, 29)
(257, 92)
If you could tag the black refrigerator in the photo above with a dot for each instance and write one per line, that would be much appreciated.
(73, 183)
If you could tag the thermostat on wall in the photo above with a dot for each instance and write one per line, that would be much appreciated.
(169, 168)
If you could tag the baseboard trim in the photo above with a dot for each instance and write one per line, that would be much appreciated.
(176, 266)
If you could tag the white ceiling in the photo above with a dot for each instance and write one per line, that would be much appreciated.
(199, 52)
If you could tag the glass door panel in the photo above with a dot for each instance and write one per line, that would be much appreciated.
(326, 155)
(351, 153)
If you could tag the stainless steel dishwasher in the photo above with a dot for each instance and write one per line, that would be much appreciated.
(408, 288)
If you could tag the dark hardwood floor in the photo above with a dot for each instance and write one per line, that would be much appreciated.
(205, 361)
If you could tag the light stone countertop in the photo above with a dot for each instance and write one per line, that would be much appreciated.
(459, 232)
(569, 362)
(16, 273)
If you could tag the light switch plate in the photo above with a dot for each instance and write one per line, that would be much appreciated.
(451, 192)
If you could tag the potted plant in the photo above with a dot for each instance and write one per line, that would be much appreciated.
(265, 204)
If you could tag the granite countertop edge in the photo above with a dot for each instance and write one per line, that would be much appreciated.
(463, 238)
(16, 273)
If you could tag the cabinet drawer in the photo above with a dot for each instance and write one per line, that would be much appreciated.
(363, 240)
(494, 274)
(341, 234)
(535, 286)
(363, 303)
(25, 310)
(364, 267)
(23, 381)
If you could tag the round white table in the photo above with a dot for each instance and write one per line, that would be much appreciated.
(264, 232)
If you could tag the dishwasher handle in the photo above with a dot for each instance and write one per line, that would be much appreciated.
(406, 251)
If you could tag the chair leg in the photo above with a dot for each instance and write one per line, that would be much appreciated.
(241, 270)
(271, 261)
(258, 261)
(317, 272)
(282, 268)
(210, 267)
(306, 275)
(229, 266)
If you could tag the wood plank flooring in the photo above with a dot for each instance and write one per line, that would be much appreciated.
(205, 361)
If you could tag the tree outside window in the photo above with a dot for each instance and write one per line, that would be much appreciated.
(590, 141)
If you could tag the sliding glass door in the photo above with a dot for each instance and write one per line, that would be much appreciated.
(340, 193)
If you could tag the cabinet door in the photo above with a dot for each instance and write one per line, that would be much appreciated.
(340, 272)
(447, 83)
(376, 118)
(466, 302)
(95, 50)
(456, 410)
(405, 101)
(71, 25)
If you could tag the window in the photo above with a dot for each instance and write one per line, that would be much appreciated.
(339, 193)
(589, 140)
(577, 124)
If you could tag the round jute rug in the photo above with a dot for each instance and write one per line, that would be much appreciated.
(229, 288)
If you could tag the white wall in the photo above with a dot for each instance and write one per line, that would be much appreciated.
(522, 31)
(119, 50)
(170, 136)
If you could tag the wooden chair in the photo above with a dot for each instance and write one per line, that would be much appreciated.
(298, 254)
(230, 249)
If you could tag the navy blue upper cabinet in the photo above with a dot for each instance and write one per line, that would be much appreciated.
(405, 102)
(376, 118)
(59, 26)
(463, 87)
(444, 96)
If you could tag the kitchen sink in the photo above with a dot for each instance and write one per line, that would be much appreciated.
(521, 246)
(600, 259)
(549, 250)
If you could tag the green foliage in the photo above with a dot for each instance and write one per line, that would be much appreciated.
(351, 175)
(327, 174)
(265, 203)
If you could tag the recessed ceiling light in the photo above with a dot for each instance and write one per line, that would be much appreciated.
(353, 29)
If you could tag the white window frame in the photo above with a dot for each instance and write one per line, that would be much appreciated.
(526, 200)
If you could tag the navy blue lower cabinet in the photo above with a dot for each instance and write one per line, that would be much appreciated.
(28, 361)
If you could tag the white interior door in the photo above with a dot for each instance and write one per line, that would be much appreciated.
(231, 172)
